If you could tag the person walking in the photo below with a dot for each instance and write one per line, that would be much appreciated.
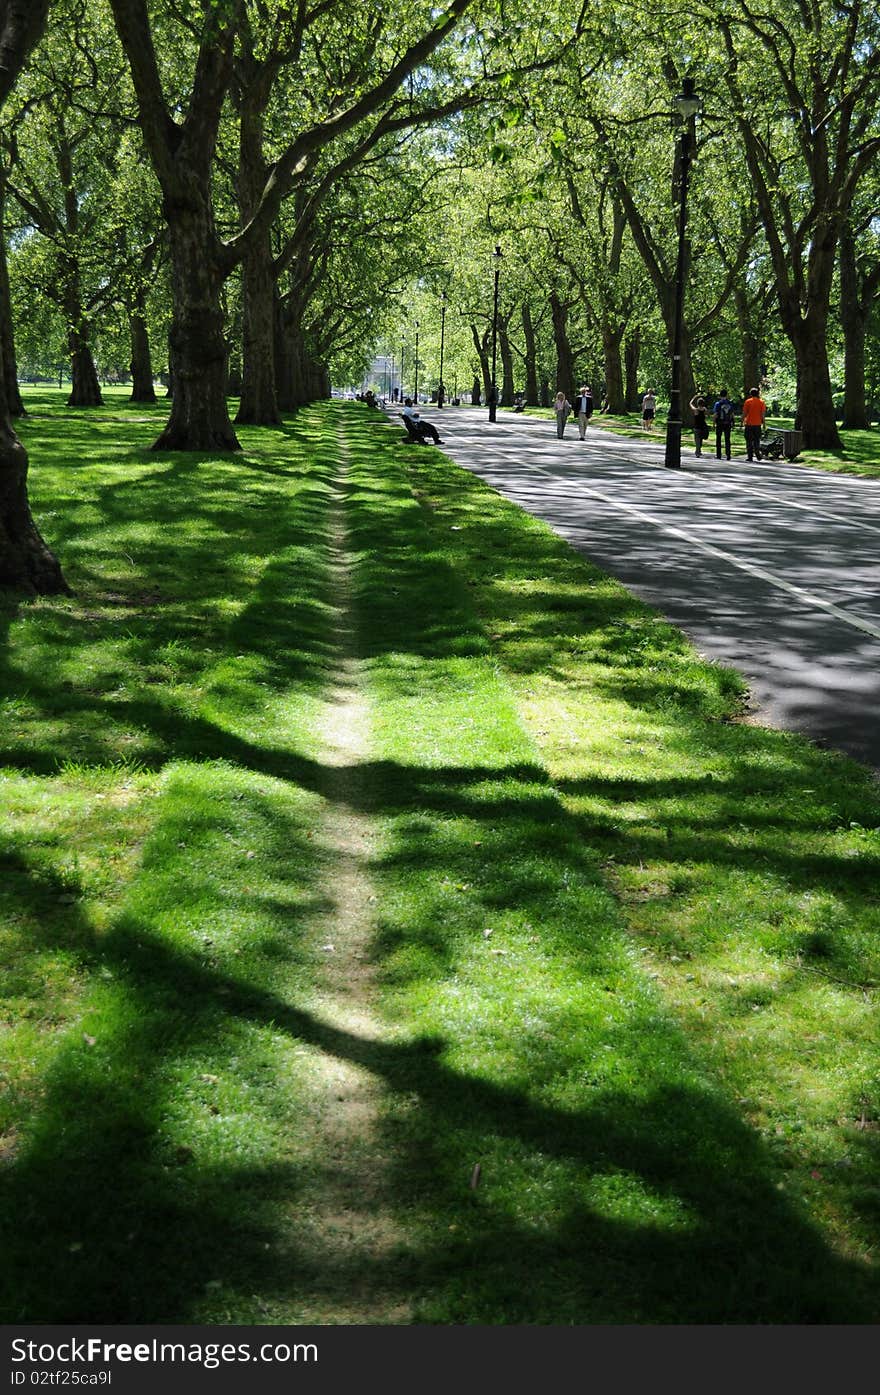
(561, 407)
(649, 410)
(583, 406)
(723, 414)
(700, 407)
(754, 412)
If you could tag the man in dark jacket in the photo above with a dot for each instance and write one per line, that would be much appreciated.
(583, 406)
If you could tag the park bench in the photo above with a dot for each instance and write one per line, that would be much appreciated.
(412, 433)
(776, 444)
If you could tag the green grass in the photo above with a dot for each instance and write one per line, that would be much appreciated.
(159, 869)
(603, 898)
(625, 946)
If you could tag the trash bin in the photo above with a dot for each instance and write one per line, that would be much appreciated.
(792, 444)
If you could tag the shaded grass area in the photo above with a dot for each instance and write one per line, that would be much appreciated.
(672, 1096)
(159, 797)
(627, 948)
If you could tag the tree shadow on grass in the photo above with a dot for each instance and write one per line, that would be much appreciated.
(106, 1221)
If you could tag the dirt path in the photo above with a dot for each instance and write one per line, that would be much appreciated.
(349, 1227)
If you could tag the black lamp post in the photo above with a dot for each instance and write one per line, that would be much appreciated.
(441, 391)
(402, 345)
(687, 104)
(493, 393)
(416, 368)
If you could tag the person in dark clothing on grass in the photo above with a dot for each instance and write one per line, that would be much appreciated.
(723, 413)
(423, 429)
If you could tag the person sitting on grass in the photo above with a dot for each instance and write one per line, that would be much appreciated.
(422, 429)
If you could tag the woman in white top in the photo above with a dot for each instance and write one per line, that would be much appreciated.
(649, 409)
(562, 407)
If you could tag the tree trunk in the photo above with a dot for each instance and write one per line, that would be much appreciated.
(142, 389)
(751, 347)
(85, 390)
(612, 339)
(632, 353)
(259, 402)
(564, 357)
(301, 375)
(8, 365)
(485, 364)
(26, 563)
(815, 408)
(531, 358)
(507, 378)
(199, 419)
(291, 384)
(854, 322)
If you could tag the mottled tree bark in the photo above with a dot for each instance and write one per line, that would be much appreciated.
(531, 357)
(482, 350)
(141, 367)
(632, 354)
(199, 417)
(612, 338)
(26, 563)
(259, 403)
(857, 291)
(505, 353)
(815, 409)
(85, 390)
(564, 357)
(8, 364)
(751, 346)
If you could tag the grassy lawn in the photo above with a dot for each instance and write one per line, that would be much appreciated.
(624, 952)
(860, 454)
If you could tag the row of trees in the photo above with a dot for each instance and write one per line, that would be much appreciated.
(248, 194)
(783, 251)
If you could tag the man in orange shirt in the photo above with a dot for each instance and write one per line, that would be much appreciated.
(753, 414)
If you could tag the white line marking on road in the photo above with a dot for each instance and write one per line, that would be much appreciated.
(727, 484)
(855, 620)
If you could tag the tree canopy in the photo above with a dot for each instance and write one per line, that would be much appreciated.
(254, 199)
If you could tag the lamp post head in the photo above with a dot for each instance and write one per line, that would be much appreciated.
(687, 103)
(497, 254)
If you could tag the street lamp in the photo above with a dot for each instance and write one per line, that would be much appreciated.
(493, 394)
(416, 368)
(687, 104)
(441, 391)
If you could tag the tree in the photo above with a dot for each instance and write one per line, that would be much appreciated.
(26, 563)
(182, 150)
(805, 161)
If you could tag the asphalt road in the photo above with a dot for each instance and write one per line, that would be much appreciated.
(770, 567)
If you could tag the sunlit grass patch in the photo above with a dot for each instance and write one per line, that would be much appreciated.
(746, 940)
(158, 809)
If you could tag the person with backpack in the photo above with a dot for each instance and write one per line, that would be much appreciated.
(583, 405)
(723, 413)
